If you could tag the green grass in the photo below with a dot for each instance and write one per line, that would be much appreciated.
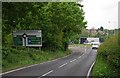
(13, 58)
(72, 45)
(103, 68)
(108, 56)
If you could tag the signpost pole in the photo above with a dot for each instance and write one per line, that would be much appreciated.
(40, 48)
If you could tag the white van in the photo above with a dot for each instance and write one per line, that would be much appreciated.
(95, 45)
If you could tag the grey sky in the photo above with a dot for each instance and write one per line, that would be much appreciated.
(101, 13)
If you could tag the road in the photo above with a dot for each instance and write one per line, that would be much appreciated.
(76, 64)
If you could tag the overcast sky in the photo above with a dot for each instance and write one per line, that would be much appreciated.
(101, 13)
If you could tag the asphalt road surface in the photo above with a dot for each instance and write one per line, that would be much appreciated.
(77, 64)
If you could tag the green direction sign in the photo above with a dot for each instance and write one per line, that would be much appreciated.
(27, 38)
(17, 40)
(34, 40)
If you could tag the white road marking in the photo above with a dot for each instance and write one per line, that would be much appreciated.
(79, 57)
(82, 54)
(88, 74)
(18, 69)
(85, 49)
(32, 65)
(47, 73)
(73, 60)
(63, 65)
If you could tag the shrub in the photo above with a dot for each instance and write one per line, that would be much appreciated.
(14, 58)
(110, 50)
(108, 56)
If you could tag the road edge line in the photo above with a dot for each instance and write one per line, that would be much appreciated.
(33, 65)
(88, 74)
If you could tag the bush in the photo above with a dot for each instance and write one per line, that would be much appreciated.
(110, 50)
(109, 54)
(14, 58)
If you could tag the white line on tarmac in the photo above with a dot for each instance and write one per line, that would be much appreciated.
(63, 65)
(73, 60)
(32, 65)
(83, 54)
(47, 73)
(18, 69)
(79, 57)
(88, 74)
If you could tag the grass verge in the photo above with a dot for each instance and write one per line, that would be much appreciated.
(103, 68)
(82, 45)
(108, 55)
(13, 58)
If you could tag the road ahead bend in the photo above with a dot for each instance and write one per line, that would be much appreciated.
(76, 64)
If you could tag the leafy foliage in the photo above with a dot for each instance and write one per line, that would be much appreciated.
(109, 55)
(110, 50)
(59, 21)
(12, 59)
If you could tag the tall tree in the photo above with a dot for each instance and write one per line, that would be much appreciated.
(59, 21)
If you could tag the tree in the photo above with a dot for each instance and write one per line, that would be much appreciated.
(59, 21)
(101, 28)
(85, 33)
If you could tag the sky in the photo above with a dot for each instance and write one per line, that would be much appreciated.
(101, 13)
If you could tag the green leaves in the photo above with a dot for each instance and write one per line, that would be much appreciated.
(109, 50)
(108, 56)
(59, 21)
